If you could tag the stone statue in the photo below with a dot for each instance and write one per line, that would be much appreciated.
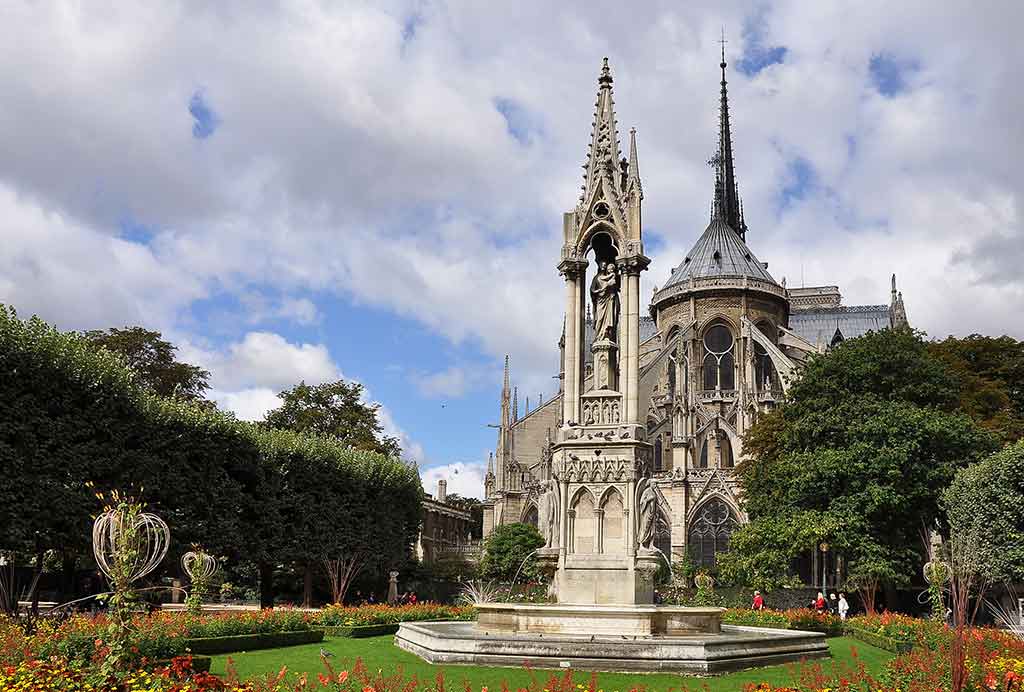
(392, 587)
(604, 293)
(647, 511)
(549, 513)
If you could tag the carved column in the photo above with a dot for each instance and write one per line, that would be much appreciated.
(573, 270)
(629, 351)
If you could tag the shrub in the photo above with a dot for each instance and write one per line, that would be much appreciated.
(507, 553)
(359, 616)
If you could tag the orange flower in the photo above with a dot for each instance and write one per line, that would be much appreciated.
(343, 676)
(990, 680)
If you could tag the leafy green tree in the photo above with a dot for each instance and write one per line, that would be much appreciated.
(507, 549)
(857, 458)
(986, 503)
(153, 360)
(991, 375)
(337, 410)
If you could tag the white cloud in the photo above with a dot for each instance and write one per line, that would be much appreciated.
(264, 359)
(462, 478)
(452, 382)
(248, 404)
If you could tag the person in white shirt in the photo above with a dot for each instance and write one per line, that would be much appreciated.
(844, 606)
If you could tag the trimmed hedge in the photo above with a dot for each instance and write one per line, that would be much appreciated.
(361, 631)
(252, 642)
(888, 643)
(200, 664)
(802, 619)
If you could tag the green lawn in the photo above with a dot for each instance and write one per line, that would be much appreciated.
(381, 653)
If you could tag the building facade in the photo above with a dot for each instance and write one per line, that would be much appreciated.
(720, 345)
(446, 529)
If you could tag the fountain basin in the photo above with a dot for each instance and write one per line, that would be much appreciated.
(732, 648)
(630, 620)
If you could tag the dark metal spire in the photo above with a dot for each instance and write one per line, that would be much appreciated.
(726, 194)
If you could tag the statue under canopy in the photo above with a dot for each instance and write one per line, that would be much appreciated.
(604, 292)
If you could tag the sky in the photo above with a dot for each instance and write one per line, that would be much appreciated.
(311, 190)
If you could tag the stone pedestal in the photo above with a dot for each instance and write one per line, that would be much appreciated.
(605, 364)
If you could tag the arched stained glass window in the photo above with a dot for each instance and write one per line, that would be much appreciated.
(710, 531)
(657, 454)
(719, 365)
(703, 461)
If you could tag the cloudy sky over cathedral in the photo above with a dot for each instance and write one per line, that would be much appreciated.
(306, 191)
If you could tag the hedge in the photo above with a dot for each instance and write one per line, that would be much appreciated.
(361, 631)
(74, 420)
(888, 643)
(802, 619)
(251, 642)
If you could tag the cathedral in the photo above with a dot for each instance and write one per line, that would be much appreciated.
(721, 343)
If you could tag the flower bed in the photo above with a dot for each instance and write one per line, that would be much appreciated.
(993, 660)
(160, 636)
(796, 619)
(356, 616)
(896, 632)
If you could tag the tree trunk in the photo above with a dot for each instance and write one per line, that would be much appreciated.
(266, 585)
(307, 585)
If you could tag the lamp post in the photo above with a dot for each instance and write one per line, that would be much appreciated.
(824, 565)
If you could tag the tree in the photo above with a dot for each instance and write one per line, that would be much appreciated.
(991, 375)
(857, 457)
(507, 552)
(152, 359)
(986, 504)
(334, 409)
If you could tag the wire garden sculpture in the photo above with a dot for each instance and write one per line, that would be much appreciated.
(129, 545)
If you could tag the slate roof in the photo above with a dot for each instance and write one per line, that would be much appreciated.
(719, 252)
(818, 325)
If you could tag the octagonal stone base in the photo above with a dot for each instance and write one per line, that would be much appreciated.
(733, 648)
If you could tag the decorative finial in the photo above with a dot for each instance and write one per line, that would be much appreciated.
(606, 74)
(723, 42)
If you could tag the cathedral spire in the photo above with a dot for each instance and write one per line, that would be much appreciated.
(505, 399)
(515, 404)
(604, 153)
(633, 178)
(726, 194)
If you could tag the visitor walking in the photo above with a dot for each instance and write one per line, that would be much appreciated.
(833, 605)
(758, 603)
(820, 604)
(844, 606)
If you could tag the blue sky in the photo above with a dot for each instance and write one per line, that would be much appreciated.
(374, 191)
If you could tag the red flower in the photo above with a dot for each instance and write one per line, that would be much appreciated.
(990, 680)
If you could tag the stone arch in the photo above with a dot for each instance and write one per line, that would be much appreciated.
(583, 522)
(530, 514)
(611, 522)
(709, 321)
(709, 529)
(585, 242)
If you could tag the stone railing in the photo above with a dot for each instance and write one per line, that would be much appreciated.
(470, 551)
(718, 395)
(716, 282)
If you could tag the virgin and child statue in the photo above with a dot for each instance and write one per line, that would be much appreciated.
(604, 292)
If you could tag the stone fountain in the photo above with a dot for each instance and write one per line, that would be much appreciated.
(598, 509)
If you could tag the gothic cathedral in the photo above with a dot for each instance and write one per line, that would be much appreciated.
(722, 344)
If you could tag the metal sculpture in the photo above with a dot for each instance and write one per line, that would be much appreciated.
(141, 540)
(199, 565)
